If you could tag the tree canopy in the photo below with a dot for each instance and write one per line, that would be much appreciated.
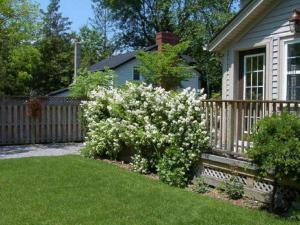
(195, 21)
(18, 28)
(165, 68)
(94, 47)
(36, 46)
(56, 50)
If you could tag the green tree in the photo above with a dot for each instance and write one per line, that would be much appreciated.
(196, 21)
(138, 20)
(87, 81)
(93, 46)
(18, 57)
(102, 21)
(165, 68)
(202, 20)
(24, 62)
(56, 50)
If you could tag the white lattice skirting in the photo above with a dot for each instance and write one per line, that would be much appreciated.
(216, 169)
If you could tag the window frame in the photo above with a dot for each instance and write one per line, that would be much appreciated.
(133, 70)
(285, 73)
(245, 74)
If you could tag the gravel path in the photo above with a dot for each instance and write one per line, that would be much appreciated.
(22, 151)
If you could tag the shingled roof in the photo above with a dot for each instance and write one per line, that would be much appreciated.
(117, 60)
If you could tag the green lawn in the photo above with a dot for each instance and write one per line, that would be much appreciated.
(72, 190)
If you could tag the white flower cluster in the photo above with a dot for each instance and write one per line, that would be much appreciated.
(139, 164)
(144, 118)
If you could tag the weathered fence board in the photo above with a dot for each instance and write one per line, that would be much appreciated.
(58, 121)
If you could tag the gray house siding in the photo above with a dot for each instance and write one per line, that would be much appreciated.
(125, 73)
(270, 31)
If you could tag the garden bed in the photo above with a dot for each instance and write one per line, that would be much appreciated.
(212, 192)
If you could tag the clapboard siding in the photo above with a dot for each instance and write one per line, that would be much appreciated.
(125, 73)
(268, 31)
(58, 121)
(275, 22)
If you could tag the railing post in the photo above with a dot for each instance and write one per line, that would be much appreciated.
(231, 127)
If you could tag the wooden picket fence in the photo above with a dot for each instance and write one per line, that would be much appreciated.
(25, 120)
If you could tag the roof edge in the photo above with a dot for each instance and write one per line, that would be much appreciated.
(234, 23)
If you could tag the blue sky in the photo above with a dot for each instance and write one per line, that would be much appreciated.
(78, 11)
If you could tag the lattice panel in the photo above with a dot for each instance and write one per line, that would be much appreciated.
(216, 173)
(220, 174)
(263, 186)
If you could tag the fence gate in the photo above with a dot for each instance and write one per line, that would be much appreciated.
(25, 120)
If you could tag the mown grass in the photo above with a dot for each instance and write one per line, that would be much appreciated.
(73, 190)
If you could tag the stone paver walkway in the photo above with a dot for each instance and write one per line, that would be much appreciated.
(22, 151)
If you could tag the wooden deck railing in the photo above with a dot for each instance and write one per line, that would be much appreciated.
(229, 122)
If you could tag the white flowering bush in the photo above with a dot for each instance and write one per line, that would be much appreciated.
(140, 164)
(147, 120)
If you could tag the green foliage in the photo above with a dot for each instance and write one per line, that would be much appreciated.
(294, 211)
(166, 69)
(174, 167)
(93, 46)
(200, 186)
(196, 21)
(234, 188)
(140, 164)
(87, 81)
(276, 151)
(54, 24)
(221, 186)
(18, 28)
(216, 95)
(56, 49)
(276, 146)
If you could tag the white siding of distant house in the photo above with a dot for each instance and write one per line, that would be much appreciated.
(125, 73)
(192, 82)
(270, 31)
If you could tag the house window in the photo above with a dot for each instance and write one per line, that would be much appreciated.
(254, 73)
(293, 71)
(136, 74)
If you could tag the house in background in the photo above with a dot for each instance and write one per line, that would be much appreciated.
(125, 65)
(261, 51)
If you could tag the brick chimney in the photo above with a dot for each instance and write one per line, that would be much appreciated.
(166, 38)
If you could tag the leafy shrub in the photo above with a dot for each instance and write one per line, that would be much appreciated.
(294, 211)
(221, 186)
(234, 188)
(149, 121)
(276, 148)
(200, 186)
(140, 164)
(87, 81)
(174, 167)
